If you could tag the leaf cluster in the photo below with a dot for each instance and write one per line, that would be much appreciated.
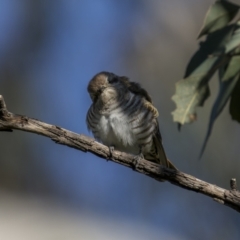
(219, 51)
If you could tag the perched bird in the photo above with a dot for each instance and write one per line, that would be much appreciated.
(123, 117)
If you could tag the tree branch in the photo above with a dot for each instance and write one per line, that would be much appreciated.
(10, 121)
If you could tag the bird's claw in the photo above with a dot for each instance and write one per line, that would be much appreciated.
(136, 160)
(111, 149)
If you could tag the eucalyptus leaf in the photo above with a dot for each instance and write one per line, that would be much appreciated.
(215, 44)
(234, 41)
(229, 76)
(234, 107)
(218, 16)
(193, 90)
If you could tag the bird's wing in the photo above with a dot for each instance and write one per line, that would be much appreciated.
(160, 154)
(137, 89)
(158, 150)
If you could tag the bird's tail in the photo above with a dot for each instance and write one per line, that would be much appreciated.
(163, 158)
(160, 153)
(170, 165)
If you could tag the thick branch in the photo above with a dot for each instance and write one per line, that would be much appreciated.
(10, 121)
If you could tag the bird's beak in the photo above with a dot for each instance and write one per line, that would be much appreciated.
(99, 92)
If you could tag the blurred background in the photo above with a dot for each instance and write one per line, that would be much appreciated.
(49, 50)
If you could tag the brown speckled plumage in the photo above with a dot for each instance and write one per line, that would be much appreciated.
(122, 115)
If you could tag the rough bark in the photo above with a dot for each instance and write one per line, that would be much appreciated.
(10, 121)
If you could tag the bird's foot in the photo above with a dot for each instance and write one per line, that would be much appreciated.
(111, 149)
(136, 160)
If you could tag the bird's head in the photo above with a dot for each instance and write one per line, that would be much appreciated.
(106, 85)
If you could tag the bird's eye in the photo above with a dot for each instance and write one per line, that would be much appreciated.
(112, 79)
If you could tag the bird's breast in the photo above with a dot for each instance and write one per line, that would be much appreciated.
(115, 131)
(126, 125)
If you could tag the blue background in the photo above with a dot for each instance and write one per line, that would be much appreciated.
(49, 50)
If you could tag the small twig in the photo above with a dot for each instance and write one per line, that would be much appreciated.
(9, 121)
(233, 184)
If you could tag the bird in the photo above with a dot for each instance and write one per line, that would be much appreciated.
(122, 117)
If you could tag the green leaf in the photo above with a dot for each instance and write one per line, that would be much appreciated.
(235, 103)
(218, 16)
(215, 44)
(190, 93)
(193, 90)
(234, 41)
(229, 76)
(232, 69)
